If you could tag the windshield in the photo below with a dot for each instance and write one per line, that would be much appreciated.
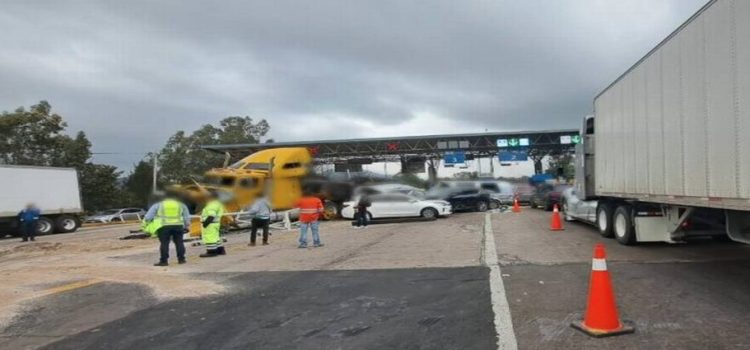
(222, 181)
(438, 192)
(109, 212)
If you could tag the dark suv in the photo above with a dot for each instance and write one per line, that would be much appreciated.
(547, 195)
(462, 199)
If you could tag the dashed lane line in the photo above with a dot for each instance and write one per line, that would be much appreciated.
(506, 338)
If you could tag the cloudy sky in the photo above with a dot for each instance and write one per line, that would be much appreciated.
(129, 73)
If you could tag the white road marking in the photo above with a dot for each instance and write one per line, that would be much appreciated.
(506, 338)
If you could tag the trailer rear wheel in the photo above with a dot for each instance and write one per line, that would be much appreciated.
(623, 225)
(66, 224)
(604, 220)
(45, 226)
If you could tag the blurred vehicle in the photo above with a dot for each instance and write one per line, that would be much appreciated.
(573, 208)
(524, 193)
(54, 191)
(547, 195)
(389, 188)
(117, 215)
(461, 198)
(282, 174)
(392, 205)
(500, 192)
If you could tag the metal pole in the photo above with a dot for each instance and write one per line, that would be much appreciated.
(155, 173)
(492, 165)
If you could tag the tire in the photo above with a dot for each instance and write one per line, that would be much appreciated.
(547, 205)
(330, 210)
(622, 225)
(482, 206)
(429, 213)
(45, 226)
(564, 208)
(604, 220)
(494, 205)
(66, 224)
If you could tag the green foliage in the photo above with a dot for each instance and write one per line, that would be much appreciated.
(183, 159)
(564, 162)
(139, 183)
(36, 137)
(99, 188)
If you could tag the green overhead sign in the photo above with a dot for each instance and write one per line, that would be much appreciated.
(570, 139)
(513, 142)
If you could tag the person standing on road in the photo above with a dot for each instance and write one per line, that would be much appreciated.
(310, 208)
(29, 218)
(173, 222)
(362, 205)
(211, 225)
(261, 212)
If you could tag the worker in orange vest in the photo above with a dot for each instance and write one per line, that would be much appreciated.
(310, 208)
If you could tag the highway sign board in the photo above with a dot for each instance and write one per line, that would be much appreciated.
(570, 139)
(513, 142)
(513, 156)
(454, 158)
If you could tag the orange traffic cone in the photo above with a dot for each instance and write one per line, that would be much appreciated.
(556, 224)
(516, 207)
(601, 318)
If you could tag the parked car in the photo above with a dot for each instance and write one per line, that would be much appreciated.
(389, 188)
(117, 215)
(523, 192)
(547, 195)
(393, 205)
(462, 199)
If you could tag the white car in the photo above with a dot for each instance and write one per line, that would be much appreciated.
(389, 188)
(397, 205)
(117, 215)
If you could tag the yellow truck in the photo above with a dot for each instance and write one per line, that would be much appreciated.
(280, 173)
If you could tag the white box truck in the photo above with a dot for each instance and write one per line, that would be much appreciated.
(54, 191)
(666, 154)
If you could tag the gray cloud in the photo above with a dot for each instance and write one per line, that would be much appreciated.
(130, 73)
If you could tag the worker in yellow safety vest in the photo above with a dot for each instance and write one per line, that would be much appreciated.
(169, 219)
(211, 223)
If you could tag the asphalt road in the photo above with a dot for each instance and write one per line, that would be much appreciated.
(686, 296)
(408, 286)
(383, 309)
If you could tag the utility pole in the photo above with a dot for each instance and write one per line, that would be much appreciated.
(155, 173)
(492, 165)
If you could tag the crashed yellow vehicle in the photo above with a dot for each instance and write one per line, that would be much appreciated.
(280, 173)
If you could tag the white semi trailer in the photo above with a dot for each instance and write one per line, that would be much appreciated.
(54, 191)
(666, 154)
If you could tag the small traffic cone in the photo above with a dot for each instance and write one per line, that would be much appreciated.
(601, 318)
(516, 207)
(556, 224)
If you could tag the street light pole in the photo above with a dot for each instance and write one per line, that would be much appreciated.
(155, 173)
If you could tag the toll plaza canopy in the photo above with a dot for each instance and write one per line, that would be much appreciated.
(535, 143)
